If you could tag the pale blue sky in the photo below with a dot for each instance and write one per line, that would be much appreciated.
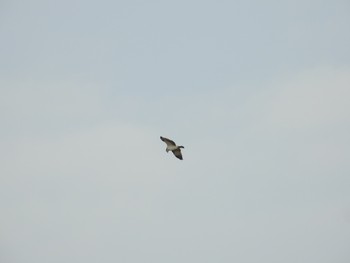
(257, 92)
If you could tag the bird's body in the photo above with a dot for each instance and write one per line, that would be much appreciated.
(171, 146)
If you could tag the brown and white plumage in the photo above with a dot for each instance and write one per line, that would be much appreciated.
(171, 146)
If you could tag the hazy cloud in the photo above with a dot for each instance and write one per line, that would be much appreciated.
(257, 94)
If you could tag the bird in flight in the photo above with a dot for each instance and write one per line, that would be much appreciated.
(171, 146)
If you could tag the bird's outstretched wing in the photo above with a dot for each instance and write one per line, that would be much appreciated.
(177, 153)
(167, 141)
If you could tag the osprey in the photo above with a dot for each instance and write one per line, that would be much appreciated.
(171, 146)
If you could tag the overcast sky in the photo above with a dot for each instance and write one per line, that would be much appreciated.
(257, 92)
